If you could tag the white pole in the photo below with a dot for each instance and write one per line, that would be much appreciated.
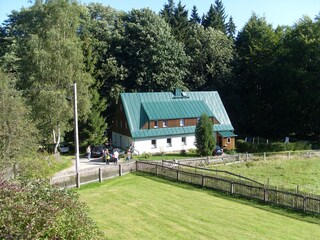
(76, 134)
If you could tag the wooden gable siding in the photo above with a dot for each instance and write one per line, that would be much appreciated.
(175, 123)
(223, 142)
(120, 124)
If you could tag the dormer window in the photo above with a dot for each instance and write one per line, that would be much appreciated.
(164, 123)
(181, 122)
(155, 124)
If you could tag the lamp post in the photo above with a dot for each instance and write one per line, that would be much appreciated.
(76, 133)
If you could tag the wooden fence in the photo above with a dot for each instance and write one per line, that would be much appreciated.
(85, 176)
(254, 191)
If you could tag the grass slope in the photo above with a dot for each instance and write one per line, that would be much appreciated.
(282, 172)
(145, 207)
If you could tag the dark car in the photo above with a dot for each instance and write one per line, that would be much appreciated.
(64, 147)
(97, 151)
(218, 151)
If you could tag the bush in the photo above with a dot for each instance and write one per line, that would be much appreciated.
(146, 155)
(243, 146)
(36, 210)
(183, 152)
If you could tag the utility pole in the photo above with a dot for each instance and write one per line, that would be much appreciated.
(76, 134)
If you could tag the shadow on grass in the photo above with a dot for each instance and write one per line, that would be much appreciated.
(284, 211)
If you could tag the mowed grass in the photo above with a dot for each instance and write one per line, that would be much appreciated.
(138, 206)
(286, 173)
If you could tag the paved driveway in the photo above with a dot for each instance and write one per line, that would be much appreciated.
(84, 165)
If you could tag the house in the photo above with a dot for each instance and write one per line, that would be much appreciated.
(165, 122)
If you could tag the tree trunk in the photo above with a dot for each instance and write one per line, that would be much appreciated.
(57, 142)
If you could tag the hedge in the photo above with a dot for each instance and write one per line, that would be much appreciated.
(243, 146)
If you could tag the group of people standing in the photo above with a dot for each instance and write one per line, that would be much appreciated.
(107, 156)
(110, 156)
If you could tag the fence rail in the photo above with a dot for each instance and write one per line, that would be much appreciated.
(262, 193)
(92, 175)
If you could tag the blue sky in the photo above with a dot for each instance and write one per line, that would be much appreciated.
(277, 12)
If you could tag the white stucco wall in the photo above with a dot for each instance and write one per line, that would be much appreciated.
(121, 141)
(144, 145)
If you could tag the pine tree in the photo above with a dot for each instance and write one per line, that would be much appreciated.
(216, 17)
(204, 136)
(195, 18)
(168, 12)
(231, 28)
(180, 23)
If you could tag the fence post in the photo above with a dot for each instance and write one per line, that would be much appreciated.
(304, 203)
(265, 196)
(100, 175)
(309, 154)
(288, 155)
(177, 175)
(157, 170)
(264, 156)
(78, 180)
(202, 181)
(239, 157)
(247, 156)
(136, 166)
(232, 187)
(120, 170)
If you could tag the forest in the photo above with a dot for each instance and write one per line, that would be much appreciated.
(268, 78)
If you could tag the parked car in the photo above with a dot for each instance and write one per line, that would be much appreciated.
(97, 151)
(218, 151)
(64, 147)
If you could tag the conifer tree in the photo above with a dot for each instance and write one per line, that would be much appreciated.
(195, 18)
(216, 17)
(205, 141)
(231, 28)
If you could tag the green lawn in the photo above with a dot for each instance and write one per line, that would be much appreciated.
(64, 162)
(138, 206)
(283, 173)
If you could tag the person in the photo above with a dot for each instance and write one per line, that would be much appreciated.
(128, 155)
(89, 152)
(103, 157)
(115, 156)
(107, 156)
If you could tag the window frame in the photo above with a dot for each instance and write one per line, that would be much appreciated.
(165, 123)
(181, 122)
(169, 142)
(154, 145)
(184, 143)
(155, 124)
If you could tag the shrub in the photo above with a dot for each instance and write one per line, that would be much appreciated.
(243, 146)
(146, 155)
(183, 152)
(36, 210)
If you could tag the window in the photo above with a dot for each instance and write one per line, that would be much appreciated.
(183, 141)
(153, 143)
(181, 122)
(164, 123)
(169, 142)
(228, 140)
(155, 124)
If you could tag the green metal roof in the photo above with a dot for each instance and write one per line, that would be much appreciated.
(175, 109)
(226, 134)
(139, 107)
